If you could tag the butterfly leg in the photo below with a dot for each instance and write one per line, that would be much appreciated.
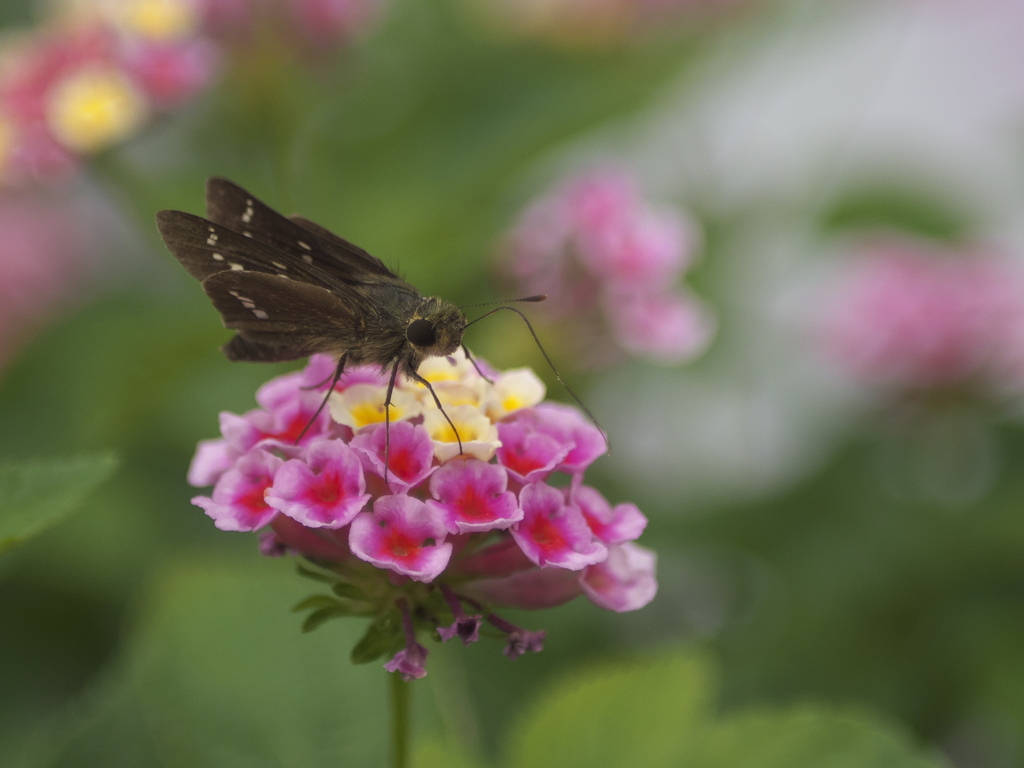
(387, 420)
(473, 361)
(416, 377)
(330, 389)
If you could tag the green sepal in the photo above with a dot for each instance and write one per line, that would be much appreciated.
(316, 602)
(381, 636)
(350, 591)
(309, 573)
(317, 618)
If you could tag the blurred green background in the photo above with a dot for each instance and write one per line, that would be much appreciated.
(809, 555)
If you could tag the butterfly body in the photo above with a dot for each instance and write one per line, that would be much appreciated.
(291, 288)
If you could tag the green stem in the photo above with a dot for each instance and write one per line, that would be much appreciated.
(399, 721)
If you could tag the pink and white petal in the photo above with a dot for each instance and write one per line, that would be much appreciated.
(624, 522)
(241, 431)
(402, 535)
(569, 426)
(410, 458)
(471, 496)
(212, 459)
(626, 581)
(553, 532)
(280, 391)
(327, 489)
(528, 455)
(238, 501)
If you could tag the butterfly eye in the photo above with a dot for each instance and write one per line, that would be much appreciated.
(421, 333)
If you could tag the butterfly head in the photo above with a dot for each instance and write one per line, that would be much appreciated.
(437, 328)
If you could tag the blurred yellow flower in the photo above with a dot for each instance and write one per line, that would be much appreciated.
(93, 108)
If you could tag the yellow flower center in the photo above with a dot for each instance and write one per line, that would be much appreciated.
(368, 412)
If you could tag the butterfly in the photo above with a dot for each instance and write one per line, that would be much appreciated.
(291, 288)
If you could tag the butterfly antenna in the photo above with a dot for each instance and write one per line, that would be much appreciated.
(554, 370)
(524, 300)
(330, 389)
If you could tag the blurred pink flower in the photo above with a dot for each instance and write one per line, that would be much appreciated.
(86, 84)
(42, 257)
(610, 265)
(916, 316)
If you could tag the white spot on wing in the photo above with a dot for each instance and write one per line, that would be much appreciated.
(247, 216)
(279, 265)
(218, 257)
(260, 314)
(307, 258)
(304, 246)
(236, 267)
(247, 233)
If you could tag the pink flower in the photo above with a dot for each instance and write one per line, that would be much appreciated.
(527, 454)
(914, 317)
(553, 532)
(609, 264)
(571, 428)
(212, 459)
(471, 496)
(288, 413)
(238, 501)
(625, 581)
(611, 525)
(402, 535)
(669, 326)
(323, 489)
(410, 458)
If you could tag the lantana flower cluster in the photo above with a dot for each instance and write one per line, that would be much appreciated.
(409, 528)
(611, 266)
(916, 317)
(96, 72)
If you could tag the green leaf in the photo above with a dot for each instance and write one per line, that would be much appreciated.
(35, 495)
(217, 675)
(618, 715)
(808, 737)
(379, 638)
(659, 713)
